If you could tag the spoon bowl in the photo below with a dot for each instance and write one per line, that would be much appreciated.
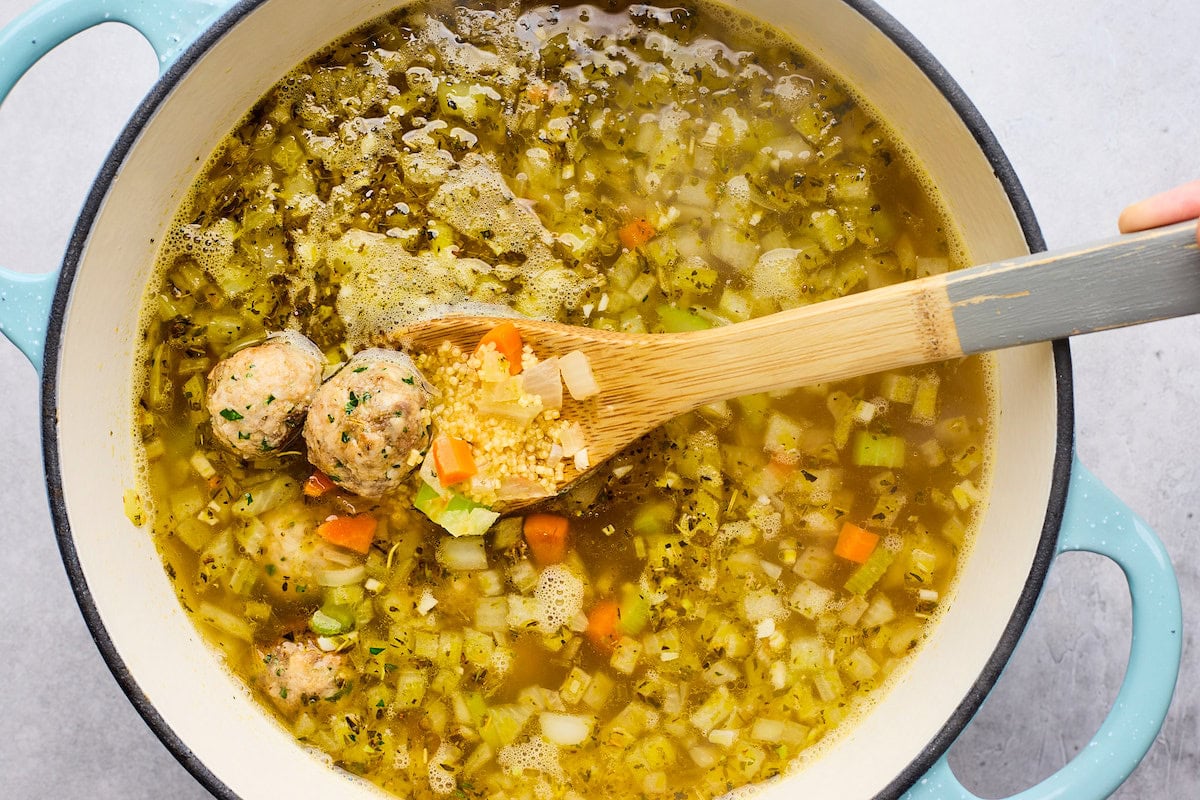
(648, 379)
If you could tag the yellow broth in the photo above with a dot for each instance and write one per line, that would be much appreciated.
(378, 179)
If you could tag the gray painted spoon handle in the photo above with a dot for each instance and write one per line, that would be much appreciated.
(1128, 280)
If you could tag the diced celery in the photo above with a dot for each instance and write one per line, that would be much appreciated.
(924, 404)
(869, 573)
(905, 636)
(888, 507)
(966, 462)
(574, 686)
(921, 564)
(859, 666)
(625, 655)
(657, 517)
(692, 275)
(641, 287)
(878, 450)
(598, 691)
(966, 494)
(330, 621)
(677, 320)
(633, 611)
(827, 228)
(523, 612)
(829, 684)
(524, 575)
(243, 576)
(194, 533)
(954, 530)
(478, 647)
(898, 388)
(410, 688)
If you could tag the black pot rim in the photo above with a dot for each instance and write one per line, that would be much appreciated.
(888, 25)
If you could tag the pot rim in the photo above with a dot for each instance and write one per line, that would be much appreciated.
(165, 84)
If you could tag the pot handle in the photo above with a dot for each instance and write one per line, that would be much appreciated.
(1097, 522)
(169, 25)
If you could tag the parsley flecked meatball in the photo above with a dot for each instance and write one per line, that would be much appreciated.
(258, 396)
(368, 420)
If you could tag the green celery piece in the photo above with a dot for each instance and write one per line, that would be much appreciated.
(866, 576)
(654, 518)
(677, 320)
(878, 450)
(633, 611)
(459, 515)
(330, 621)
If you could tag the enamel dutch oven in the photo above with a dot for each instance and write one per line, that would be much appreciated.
(79, 328)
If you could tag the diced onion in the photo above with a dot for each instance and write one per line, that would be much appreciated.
(565, 730)
(462, 553)
(544, 380)
(426, 603)
(518, 412)
(225, 621)
(723, 736)
(572, 440)
(581, 460)
(342, 577)
(577, 374)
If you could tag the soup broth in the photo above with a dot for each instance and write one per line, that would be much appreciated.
(720, 599)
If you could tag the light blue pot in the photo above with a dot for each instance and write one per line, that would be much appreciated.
(1082, 513)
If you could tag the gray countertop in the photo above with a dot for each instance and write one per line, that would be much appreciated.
(1096, 104)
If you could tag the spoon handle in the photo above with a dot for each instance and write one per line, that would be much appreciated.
(1134, 278)
(1128, 280)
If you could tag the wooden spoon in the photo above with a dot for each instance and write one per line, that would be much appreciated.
(647, 379)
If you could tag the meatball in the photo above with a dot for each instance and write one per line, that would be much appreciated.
(258, 396)
(367, 420)
(294, 674)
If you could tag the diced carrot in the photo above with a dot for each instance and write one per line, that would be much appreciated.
(637, 233)
(354, 533)
(537, 93)
(453, 460)
(318, 484)
(507, 340)
(603, 621)
(855, 544)
(547, 538)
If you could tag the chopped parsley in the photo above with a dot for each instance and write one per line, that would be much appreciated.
(231, 415)
(410, 380)
(360, 369)
(345, 437)
(352, 404)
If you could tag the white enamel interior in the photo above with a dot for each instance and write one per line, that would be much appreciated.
(202, 703)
